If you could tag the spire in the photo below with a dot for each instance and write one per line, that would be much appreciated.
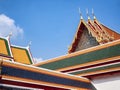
(80, 14)
(87, 14)
(93, 14)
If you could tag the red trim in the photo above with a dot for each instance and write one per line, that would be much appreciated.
(93, 28)
(74, 45)
(99, 64)
(30, 85)
(101, 74)
(0, 77)
(3, 55)
(98, 25)
(79, 33)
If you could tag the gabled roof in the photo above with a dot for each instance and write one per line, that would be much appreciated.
(5, 51)
(22, 54)
(101, 33)
(14, 53)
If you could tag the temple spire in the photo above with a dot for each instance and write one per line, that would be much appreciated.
(93, 14)
(80, 14)
(87, 14)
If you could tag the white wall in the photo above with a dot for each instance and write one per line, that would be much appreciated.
(109, 82)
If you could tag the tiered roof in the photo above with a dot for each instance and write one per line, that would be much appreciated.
(106, 55)
(95, 50)
(101, 33)
(102, 57)
(17, 75)
(14, 53)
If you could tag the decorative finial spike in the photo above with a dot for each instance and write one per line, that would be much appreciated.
(93, 14)
(80, 14)
(87, 13)
(10, 34)
(29, 44)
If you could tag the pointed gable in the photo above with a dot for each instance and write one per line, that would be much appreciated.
(84, 38)
(91, 33)
(21, 55)
(5, 51)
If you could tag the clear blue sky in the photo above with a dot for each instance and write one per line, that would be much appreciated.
(51, 24)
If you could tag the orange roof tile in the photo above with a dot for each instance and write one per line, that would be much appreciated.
(21, 55)
(5, 48)
(112, 33)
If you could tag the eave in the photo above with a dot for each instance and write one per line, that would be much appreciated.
(96, 56)
(21, 75)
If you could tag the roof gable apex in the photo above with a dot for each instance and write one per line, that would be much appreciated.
(78, 34)
(100, 33)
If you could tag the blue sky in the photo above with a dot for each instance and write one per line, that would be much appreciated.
(51, 24)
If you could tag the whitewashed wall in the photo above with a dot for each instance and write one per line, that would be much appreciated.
(109, 82)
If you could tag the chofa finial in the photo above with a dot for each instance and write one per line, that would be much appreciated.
(93, 14)
(80, 14)
(87, 13)
(9, 35)
(29, 44)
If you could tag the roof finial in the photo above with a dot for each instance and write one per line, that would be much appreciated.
(93, 14)
(87, 13)
(29, 44)
(9, 35)
(80, 14)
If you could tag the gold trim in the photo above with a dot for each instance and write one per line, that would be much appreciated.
(81, 21)
(44, 71)
(5, 77)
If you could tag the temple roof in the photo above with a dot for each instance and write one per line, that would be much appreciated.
(5, 51)
(31, 77)
(14, 53)
(21, 54)
(100, 32)
(96, 60)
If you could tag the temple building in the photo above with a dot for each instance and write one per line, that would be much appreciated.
(91, 33)
(92, 62)
(94, 54)
(18, 73)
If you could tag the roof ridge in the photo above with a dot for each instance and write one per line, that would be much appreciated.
(16, 46)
